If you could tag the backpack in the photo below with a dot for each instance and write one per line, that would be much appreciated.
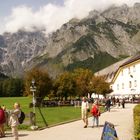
(22, 117)
(2, 116)
(94, 110)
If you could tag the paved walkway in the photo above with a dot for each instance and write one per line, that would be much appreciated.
(121, 118)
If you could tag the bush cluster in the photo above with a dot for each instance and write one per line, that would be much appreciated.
(137, 122)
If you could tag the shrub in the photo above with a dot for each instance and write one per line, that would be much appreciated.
(137, 122)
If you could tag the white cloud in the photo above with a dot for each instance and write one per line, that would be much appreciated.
(51, 17)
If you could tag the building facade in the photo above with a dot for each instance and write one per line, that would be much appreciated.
(127, 78)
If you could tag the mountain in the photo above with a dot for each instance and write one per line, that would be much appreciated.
(100, 39)
(20, 48)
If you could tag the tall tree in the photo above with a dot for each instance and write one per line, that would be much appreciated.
(12, 87)
(65, 85)
(99, 85)
(1, 91)
(43, 82)
(82, 78)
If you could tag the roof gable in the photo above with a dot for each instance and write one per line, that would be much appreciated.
(130, 62)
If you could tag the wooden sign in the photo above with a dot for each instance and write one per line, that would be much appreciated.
(109, 132)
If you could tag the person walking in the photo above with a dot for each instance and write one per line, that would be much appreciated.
(108, 104)
(84, 111)
(118, 102)
(123, 103)
(13, 121)
(6, 115)
(2, 121)
(95, 113)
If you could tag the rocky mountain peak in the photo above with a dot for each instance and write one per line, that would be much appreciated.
(94, 42)
(94, 14)
(119, 13)
(136, 6)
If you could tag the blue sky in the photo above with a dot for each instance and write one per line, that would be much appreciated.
(7, 5)
(48, 15)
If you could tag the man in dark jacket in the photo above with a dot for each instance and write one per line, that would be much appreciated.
(108, 104)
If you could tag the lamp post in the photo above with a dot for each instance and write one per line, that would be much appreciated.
(33, 90)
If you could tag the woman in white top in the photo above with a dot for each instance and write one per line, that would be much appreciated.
(84, 111)
(13, 121)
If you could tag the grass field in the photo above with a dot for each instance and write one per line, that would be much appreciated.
(52, 115)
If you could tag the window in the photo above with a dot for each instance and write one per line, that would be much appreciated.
(130, 84)
(134, 68)
(117, 86)
(135, 83)
(131, 75)
(122, 85)
(122, 72)
(129, 70)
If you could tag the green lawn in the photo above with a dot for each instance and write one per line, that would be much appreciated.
(52, 115)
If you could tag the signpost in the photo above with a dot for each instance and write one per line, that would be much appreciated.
(109, 132)
(33, 89)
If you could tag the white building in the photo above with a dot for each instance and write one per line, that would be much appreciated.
(127, 78)
(110, 71)
(124, 76)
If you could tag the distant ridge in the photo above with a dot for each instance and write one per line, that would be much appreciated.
(95, 42)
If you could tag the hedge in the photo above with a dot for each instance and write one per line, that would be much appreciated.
(137, 122)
